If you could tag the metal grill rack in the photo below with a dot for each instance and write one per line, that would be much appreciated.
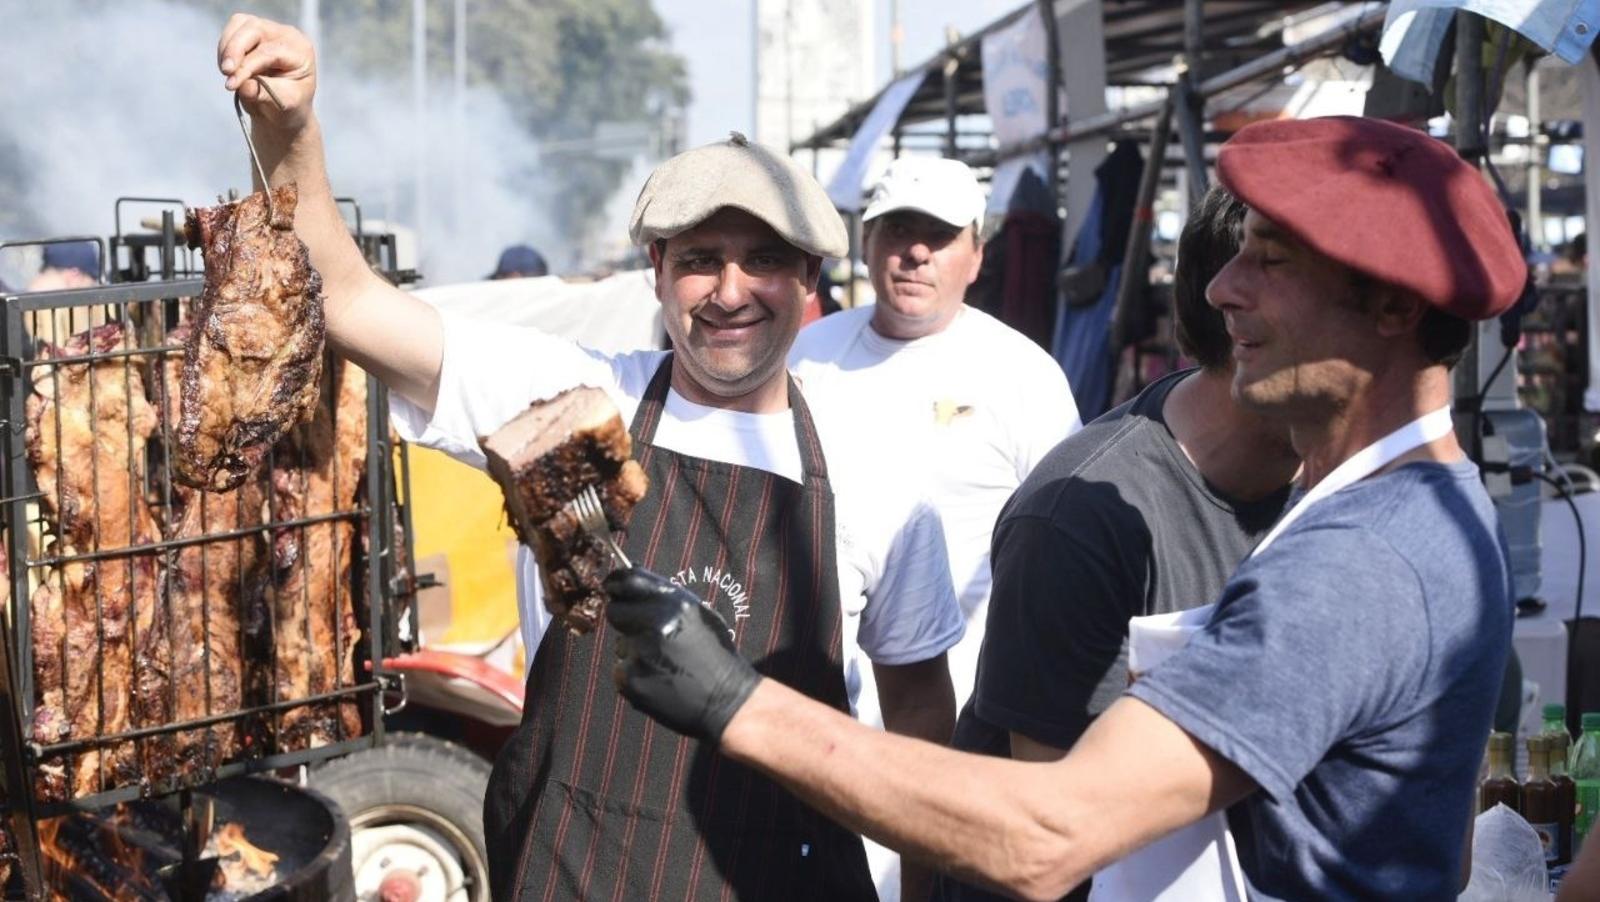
(157, 248)
(143, 314)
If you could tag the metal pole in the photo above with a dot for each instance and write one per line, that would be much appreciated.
(16, 667)
(311, 24)
(1190, 131)
(1052, 95)
(1190, 102)
(419, 112)
(896, 37)
(788, 73)
(1536, 150)
(816, 166)
(1194, 41)
(459, 115)
(1134, 274)
(950, 66)
(755, 70)
(1469, 86)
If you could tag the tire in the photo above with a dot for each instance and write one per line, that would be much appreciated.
(422, 798)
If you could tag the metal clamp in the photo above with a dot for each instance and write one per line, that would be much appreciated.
(393, 683)
(412, 583)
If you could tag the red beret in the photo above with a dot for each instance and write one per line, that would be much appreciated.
(1385, 200)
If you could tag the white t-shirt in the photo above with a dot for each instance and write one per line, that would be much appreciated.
(894, 584)
(969, 411)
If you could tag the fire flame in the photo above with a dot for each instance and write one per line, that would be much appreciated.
(231, 841)
(99, 860)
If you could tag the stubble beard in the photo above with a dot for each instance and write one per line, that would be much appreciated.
(729, 378)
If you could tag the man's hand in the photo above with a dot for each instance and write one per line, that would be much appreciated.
(676, 659)
(252, 46)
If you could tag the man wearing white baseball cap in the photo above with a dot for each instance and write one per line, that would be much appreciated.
(935, 384)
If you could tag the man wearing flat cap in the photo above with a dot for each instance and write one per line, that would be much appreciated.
(748, 511)
(1332, 702)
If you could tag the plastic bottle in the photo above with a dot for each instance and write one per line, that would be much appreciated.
(1500, 787)
(1555, 721)
(1540, 803)
(1584, 768)
(1566, 792)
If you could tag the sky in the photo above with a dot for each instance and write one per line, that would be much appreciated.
(715, 38)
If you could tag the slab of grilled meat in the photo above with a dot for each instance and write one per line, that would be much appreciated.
(99, 648)
(250, 369)
(317, 470)
(207, 587)
(542, 459)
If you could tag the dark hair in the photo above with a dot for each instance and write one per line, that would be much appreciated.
(1210, 239)
(1444, 336)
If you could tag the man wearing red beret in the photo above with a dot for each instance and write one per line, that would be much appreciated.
(1333, 702)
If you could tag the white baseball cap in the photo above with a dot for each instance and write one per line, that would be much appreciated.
(944, 189)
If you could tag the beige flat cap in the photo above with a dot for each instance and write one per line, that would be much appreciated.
(685, 190)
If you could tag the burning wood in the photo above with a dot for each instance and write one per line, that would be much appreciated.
(88, 858)
(231, 843)
(132, 853)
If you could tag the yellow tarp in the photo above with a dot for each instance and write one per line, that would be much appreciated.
(458, 513)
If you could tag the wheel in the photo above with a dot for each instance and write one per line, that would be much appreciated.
(415, 806)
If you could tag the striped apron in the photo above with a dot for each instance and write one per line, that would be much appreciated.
(590, 799)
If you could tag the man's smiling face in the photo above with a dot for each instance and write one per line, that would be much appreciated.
(1300, 334)
(732, 293)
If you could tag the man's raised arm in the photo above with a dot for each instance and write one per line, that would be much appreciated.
(384, 330)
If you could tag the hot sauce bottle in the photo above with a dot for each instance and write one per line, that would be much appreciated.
(1500, 786)
(1541, 805)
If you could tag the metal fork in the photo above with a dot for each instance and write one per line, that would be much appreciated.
(586, 509)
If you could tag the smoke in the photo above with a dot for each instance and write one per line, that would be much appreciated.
(103, 101)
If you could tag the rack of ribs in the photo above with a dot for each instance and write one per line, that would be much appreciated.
(542, 459)
(250, 369)
(317, 470)
(207, 586)
(99, 649)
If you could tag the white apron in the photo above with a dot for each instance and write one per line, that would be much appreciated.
(1199, 863)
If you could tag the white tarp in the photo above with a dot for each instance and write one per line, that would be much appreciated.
(614, 314)
(845, 188)
(1016, 79)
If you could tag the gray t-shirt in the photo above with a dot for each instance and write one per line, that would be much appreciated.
(1114, 523)
(1351, 670)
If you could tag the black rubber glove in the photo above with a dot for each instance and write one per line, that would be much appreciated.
(676, 658)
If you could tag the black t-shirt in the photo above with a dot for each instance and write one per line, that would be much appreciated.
(1114, 523)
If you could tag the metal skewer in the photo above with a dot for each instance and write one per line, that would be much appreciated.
(238, 109)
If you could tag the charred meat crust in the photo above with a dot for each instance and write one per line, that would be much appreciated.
(99, 641)
(250, 370)
(580, 442)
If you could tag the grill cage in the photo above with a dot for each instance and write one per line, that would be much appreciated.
(380, 587)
